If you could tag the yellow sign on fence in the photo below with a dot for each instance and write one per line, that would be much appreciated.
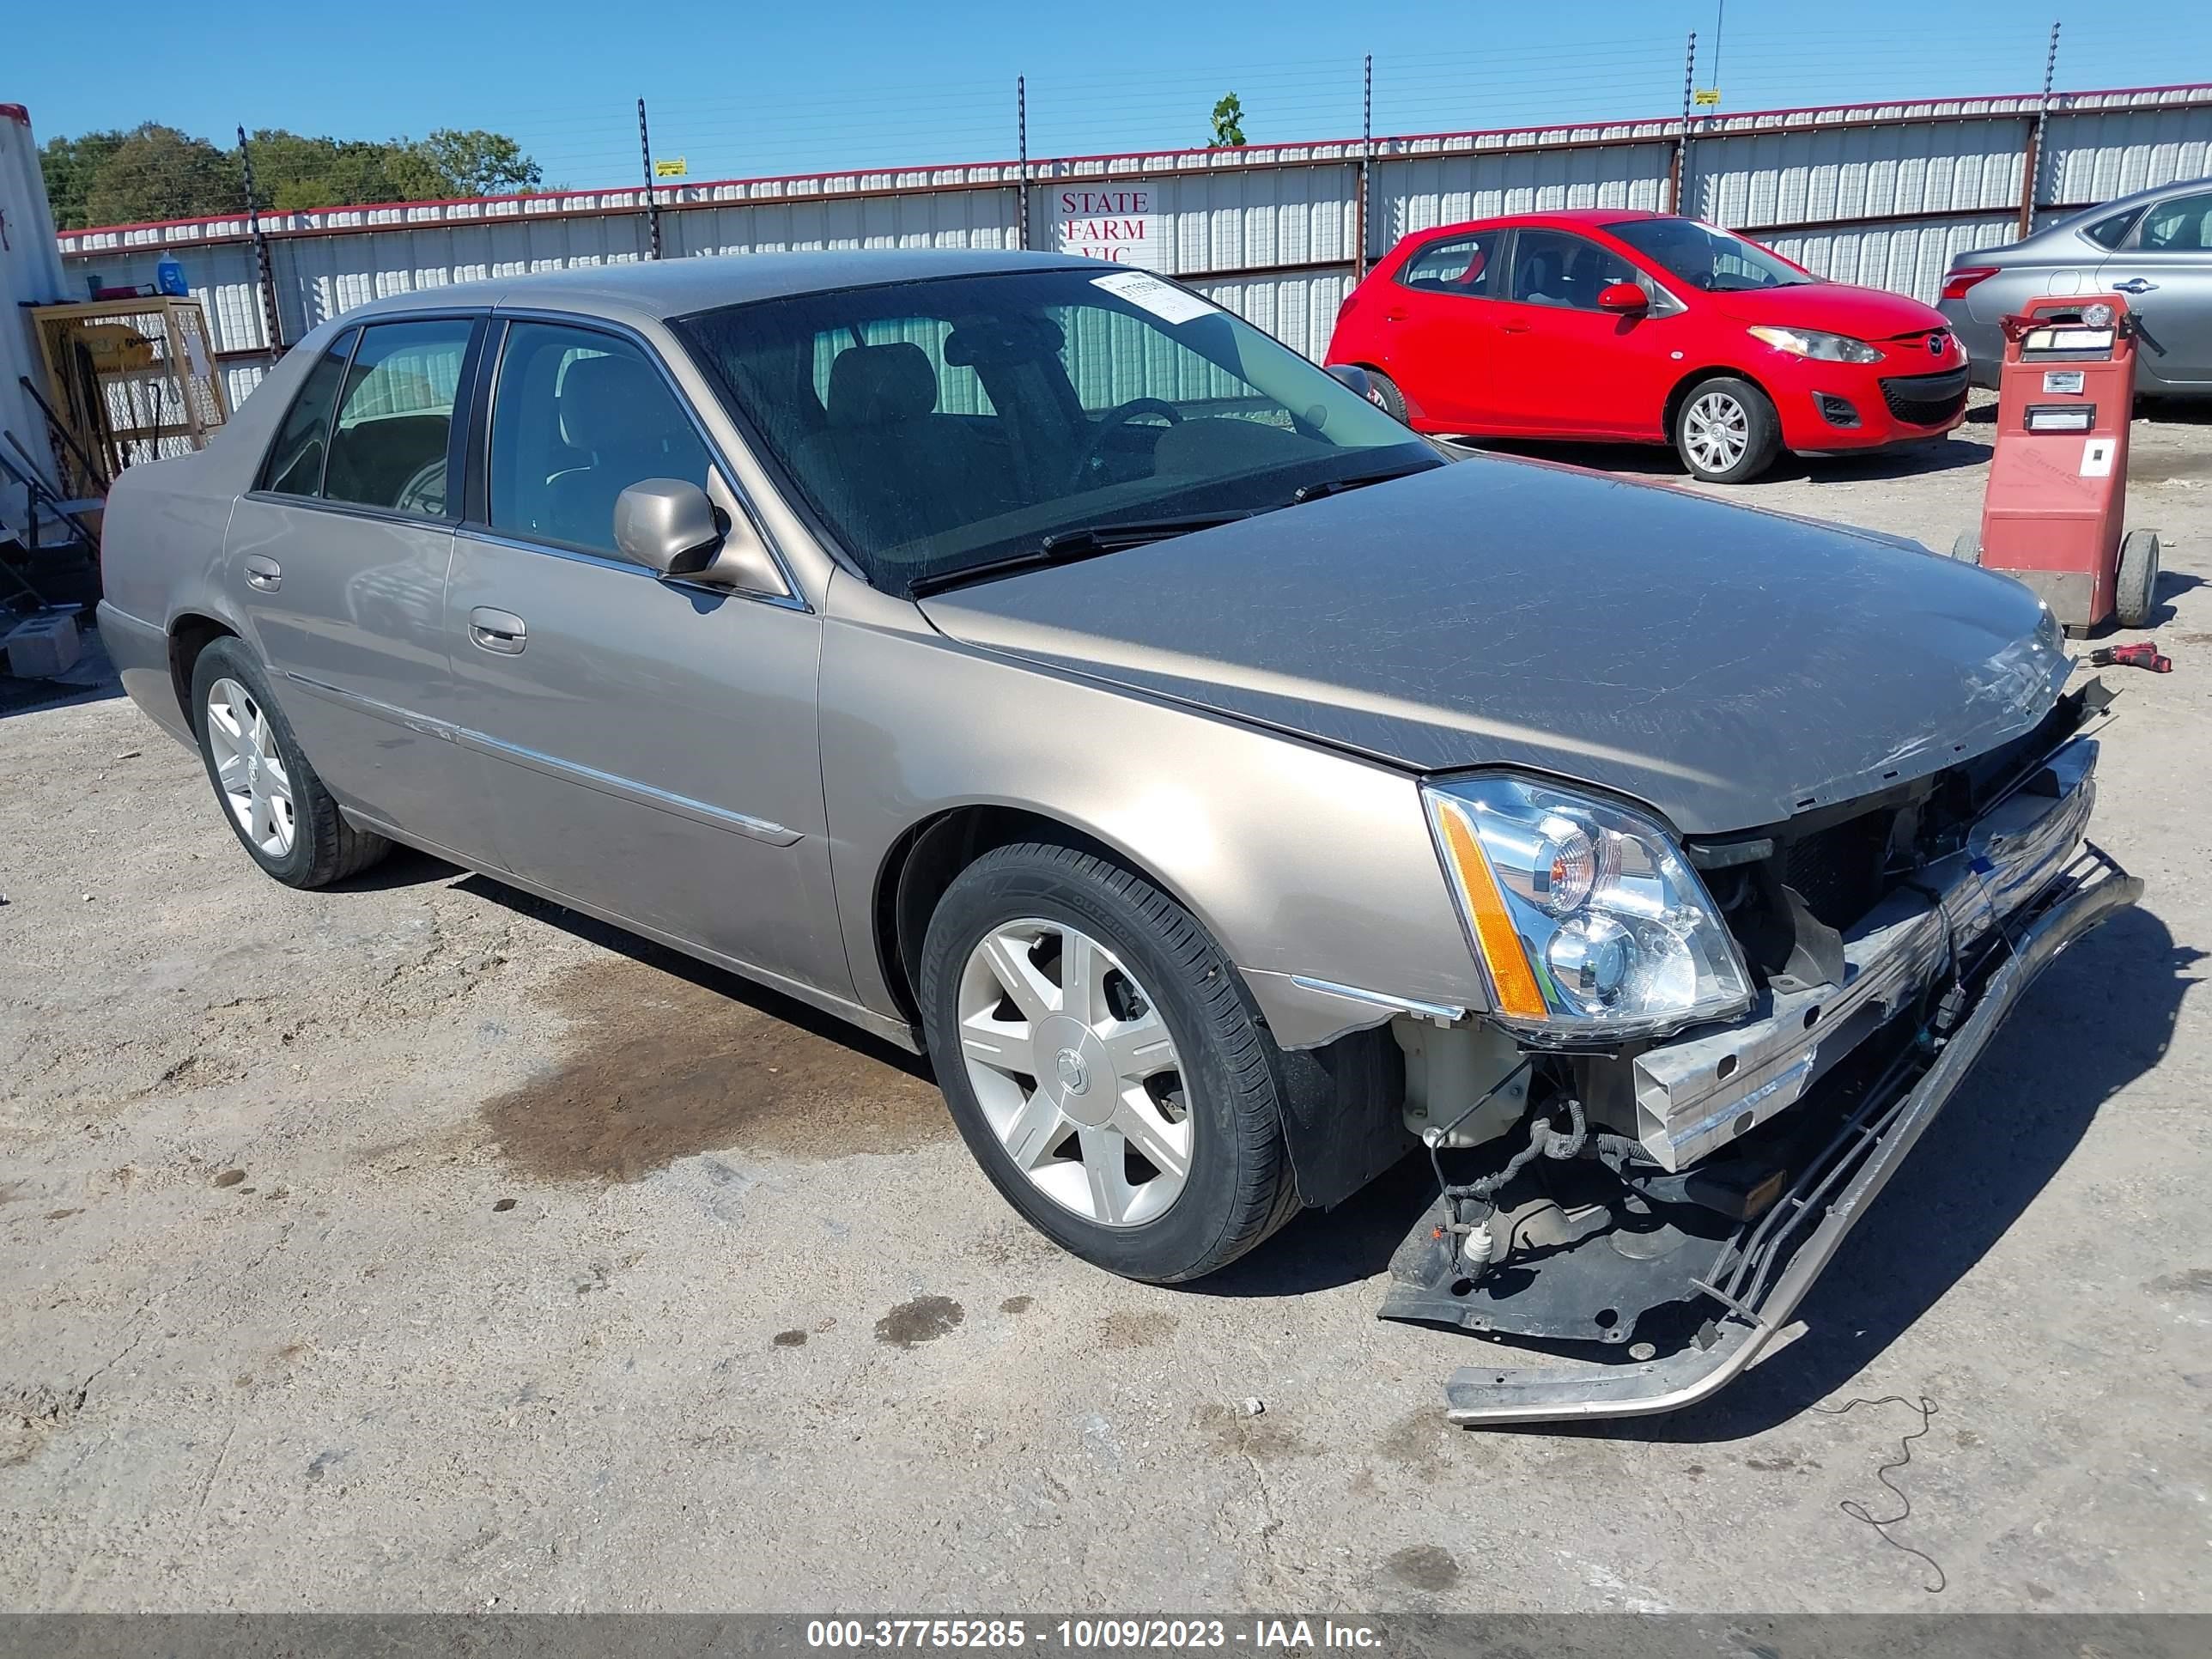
(1707, 97)
(675, 169)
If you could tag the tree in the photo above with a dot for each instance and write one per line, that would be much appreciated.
(479, 163)
(70, 164)
(158, 172)
(1228, 124)
(154, 171)
(292, 172)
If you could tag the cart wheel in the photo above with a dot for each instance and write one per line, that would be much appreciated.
(2133, 593)
(1967, 549)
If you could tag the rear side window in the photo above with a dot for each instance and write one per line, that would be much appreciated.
(1458, 264)
(396, 417)
(1551, 268)
(2112, 231)
(294, 467)
(2183, 225)
(577, 418)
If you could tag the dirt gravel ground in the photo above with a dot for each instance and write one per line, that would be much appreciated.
(414, 1245)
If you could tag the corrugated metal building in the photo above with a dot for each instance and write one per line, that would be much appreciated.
(1878, 194)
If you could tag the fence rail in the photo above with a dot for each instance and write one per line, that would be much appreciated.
(1880, 192)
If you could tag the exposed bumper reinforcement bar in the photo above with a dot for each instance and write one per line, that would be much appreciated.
(1869, 1149)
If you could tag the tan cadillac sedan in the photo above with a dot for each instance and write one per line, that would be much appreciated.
(1031, 662)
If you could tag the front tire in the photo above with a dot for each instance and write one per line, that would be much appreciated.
(1727, 431)
(270, 796)
(1103, 1065)
(1382, 391)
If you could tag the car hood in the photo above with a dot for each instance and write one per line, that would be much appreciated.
(1726, 665)
(1864, 313)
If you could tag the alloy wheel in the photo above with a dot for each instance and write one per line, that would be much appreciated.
(1717, 431)
(252, 772)
(1076, 1072)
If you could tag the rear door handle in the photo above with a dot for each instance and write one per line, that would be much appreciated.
(1394, 316)
(497, 630)
(263, 573)
(2133, 285)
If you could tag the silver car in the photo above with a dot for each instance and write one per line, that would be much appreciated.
(2155, 247)
(1032, 662)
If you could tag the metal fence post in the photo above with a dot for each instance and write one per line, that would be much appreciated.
(651, 200)
(266, 275)
(1678, 172)
(2031, 169)
(1366, 158)
(1022, 140)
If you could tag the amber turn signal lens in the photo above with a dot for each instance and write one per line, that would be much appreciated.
(1510, 976)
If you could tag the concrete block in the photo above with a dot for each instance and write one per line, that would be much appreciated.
(42, 647)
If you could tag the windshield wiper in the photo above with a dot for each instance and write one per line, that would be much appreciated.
(1315, 491)
(1068, 546)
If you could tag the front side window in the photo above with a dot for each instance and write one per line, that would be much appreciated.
(2183, 225)
(294, 467)
(396, 416)
(577, 417)
(937, 427)
(1457, 264)
(1713, 260)
(1553, 268)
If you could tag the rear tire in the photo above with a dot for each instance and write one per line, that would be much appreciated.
(1727, 431)
(1037, 1093)
(270, 796)
(1382, 391)
(1967, 549)
(2135, 589)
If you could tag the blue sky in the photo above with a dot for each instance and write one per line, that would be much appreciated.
(738, 90)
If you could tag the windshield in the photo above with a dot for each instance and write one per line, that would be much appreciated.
(1708, 258)
(940, 426)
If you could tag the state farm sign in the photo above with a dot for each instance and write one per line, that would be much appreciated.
(1117, 225)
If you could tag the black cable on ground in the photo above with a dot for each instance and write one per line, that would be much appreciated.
(1858, 1511)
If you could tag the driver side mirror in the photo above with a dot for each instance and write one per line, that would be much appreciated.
(1626, 297)
(1355, 377)
(680, 532)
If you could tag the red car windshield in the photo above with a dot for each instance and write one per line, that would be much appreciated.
(1707, 259)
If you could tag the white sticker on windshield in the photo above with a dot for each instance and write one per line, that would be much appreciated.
(1164, 300)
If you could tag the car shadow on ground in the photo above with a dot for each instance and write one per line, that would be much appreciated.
(2101, 1017)
(1658, 464)
(775, 1003)
(2174, 411)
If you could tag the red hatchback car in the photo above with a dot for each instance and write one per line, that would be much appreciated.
(1608, 324)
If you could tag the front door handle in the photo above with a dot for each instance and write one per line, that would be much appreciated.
(1513, 328)
(2133, 285)
(263, 573)
(497, 630)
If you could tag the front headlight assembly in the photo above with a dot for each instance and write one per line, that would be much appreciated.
(1819, 346)
(1589, 923)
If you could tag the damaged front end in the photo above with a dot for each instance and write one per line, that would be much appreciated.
(1657, 1210)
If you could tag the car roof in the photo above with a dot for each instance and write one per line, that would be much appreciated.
(2056, 230)
(674, 287)
(1564, 218)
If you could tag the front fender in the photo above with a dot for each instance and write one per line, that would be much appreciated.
(1313, 870)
